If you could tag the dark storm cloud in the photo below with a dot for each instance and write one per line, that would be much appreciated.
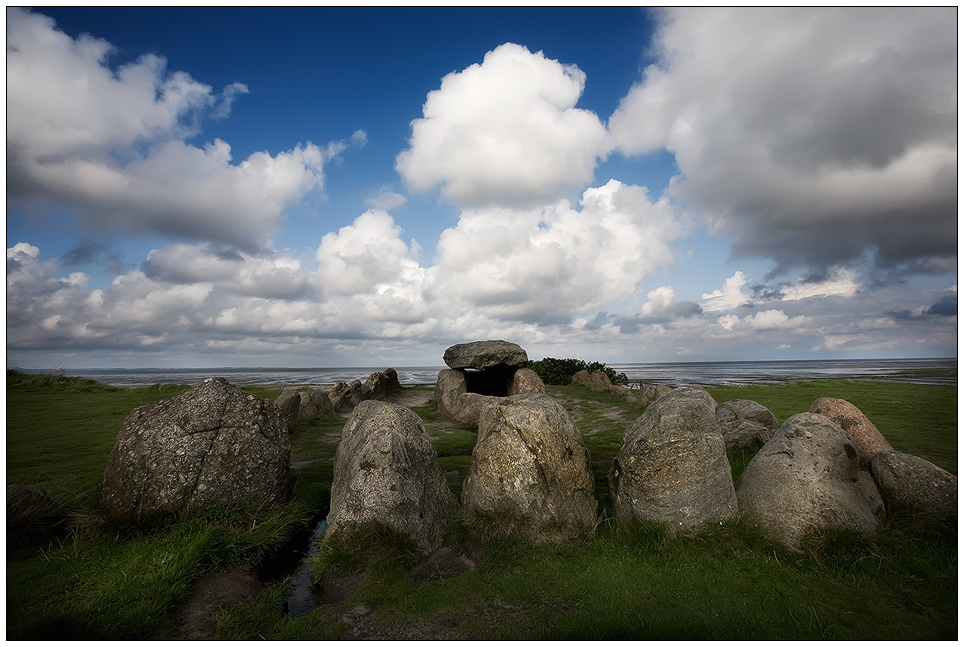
(816, 136)
(946, 307)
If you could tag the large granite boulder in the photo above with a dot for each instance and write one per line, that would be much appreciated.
(911, 481)
(448, 387)
(469, 409)
(581, 378)
(387, 471)
(485, 354)
(214, 445)
(862, 433)
(382, 385)
(313, 405)
(672, 464)
(288, 403)
(745, 424)
(530, 471)
(345, 396)
(598, 382)
(524, 381)
(624, 392)
(808, 477)
(650, 393)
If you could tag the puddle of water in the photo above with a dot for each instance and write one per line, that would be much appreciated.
(304, 597)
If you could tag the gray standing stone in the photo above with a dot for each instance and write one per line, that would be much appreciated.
(288, 403)
(624, 392)
(672, 465)
(917, 483)
(448, 387)
(525, 380)
(387, 471)
(313, 405)
(862, 432)
(214, 445)
(647, 394)
(530, 470)
(344, 396)
(598, 382)
(483, 354)
(470, 408)
(809, 477)
(745, 424)
(662, 390)
(581, 378)
(381, 385)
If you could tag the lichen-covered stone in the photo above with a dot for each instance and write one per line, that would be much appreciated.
(598, 382)
(313, 405)
(865, 436)
(214, 445)
(387, 471)
(914, 482)
(288, 403)
(809, 477)
(524, 381)
(745, 424)
(448, 387)
(484, 354)
(344, 396)
(383, 384)
(672, 464)
(531, 469)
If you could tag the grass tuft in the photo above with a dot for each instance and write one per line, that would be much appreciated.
(372, 546)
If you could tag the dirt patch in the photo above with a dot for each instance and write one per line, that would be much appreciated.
(211, 593)
(409, 397)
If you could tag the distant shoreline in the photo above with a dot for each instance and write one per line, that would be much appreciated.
(934, 371)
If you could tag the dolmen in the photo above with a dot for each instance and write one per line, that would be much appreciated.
(214, 445)
(481, 372)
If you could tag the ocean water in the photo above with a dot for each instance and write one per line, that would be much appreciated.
(917, 371)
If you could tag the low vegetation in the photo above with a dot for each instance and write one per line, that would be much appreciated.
(95, 580)
(560, 371)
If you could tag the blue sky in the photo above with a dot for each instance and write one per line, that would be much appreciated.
(366, 186)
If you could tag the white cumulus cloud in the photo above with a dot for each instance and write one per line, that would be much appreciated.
(109, 144)
(547, 264)
(730, 296)
(505, 132)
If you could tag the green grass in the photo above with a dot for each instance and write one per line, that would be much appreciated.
(719, 582)
(60, 430)
(915, 418)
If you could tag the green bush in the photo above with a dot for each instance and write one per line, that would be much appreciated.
(560, 371)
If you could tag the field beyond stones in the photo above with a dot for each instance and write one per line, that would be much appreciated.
(197, 578)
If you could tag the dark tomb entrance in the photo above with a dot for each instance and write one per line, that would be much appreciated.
(494, 380)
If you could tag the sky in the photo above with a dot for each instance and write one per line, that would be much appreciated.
(311, 187)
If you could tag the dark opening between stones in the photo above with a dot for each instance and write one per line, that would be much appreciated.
(494, 380)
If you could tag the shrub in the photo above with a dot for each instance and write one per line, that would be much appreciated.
(560, 371)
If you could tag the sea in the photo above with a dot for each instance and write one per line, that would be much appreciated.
(914, 371)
